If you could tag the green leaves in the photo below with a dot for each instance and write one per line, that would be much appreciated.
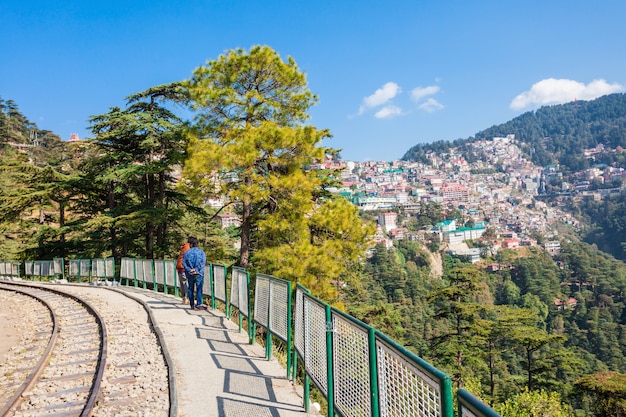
(249, 146)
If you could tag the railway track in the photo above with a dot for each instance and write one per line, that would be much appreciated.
(89, 353)
(66, 379)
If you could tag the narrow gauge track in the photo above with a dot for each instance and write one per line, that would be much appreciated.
(66, 379)
(138, 378)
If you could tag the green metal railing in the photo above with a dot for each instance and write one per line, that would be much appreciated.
(10, 269)
(470, 406)
(359, 370)
(165, 275)
(240, 297)
(220, 292)
(362, 372)
(103, 269)
(272, 310)
(80, 269)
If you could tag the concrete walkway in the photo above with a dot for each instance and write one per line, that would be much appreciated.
(217, 372)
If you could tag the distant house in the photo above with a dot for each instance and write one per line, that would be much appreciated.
(399, 233)
(553, 247)
(566, 304)
(227, 220)
(468, 254)
(453, 235)
(388, 220)
(455, 193)
(510, 243)
(499, 266)
(446, 226)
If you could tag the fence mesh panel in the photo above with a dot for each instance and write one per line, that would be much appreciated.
(147, 270)
(243, 293)
(206, 283)
(170, 273)
(279, 308)
(29, 268)
(159, 272)
(234, 288)
(465, 412)
(109, 270)
(59, 266)
(98, 268)
(262, 300)
(74, 267)
(403, 389)
(219, 280)
(80, 268)
(239, 290)
(140, 270)
(127, 268)
(298, 323)
(45, 269)
(315, 361)
(351, 368)
(6, 269)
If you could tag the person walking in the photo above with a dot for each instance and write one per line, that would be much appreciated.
(182, 277)
(193, 261)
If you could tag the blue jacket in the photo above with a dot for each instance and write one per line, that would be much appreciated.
(194, 258)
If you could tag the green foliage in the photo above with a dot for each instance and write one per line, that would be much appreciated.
(127, 178)
(537, 275)
(534, 404)
(457, 308)
(247, 132)
(249, 145)
(557, 133)
(605, 392)
(606, 223)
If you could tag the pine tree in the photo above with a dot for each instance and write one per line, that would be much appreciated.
(250, 147)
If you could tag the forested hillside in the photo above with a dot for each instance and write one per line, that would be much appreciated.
(559, 133)
(537, 325)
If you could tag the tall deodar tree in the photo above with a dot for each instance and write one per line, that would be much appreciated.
(133, 188)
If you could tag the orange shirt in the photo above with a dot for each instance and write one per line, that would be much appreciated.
(179, 264)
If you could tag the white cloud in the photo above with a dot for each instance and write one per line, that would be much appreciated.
(420, 92)
(380, 96)
(431, 105)
(388, 111)
(558, 91)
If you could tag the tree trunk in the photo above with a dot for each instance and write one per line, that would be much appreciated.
(149, 202)
(62, 221)
(528, 363)
(162, 225)
(246, 232)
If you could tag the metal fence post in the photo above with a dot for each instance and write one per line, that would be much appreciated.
(329, 362)
(289, 329)
(373, 365)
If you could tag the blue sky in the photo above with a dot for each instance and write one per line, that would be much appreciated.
(388, 75)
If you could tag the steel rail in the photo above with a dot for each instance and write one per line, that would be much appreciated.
(38, 368)
(94, 391)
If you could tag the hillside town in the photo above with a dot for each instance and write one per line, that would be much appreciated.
(497, 193)
(495, 202)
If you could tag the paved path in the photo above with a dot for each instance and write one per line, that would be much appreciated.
(217, 372)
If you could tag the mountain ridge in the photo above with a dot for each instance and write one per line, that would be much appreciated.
(555, 134)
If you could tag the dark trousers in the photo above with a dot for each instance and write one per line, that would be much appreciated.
(195, 283)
